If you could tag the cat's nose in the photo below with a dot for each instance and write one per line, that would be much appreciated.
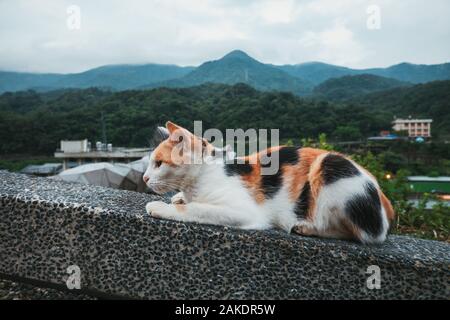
(145, 179)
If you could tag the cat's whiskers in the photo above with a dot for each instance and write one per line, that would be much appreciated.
(168, 184)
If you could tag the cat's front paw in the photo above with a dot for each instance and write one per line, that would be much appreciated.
(178, 198)
(158, 209)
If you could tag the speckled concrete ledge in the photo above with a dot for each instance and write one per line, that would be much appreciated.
(46, 226)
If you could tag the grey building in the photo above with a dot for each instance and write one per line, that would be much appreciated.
(78, 152)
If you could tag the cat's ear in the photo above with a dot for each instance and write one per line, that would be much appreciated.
(178, 134)
(172, 127)
(185, 147)
(162, 133)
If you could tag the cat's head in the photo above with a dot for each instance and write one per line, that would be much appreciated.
(178, 158)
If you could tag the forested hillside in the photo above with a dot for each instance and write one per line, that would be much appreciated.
(348, 87)
(34, 123)
(431, 100)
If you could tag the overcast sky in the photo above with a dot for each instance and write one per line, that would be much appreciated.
(41, 36)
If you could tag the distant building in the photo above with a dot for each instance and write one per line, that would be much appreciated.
(78, 152)
(414, 127)
(421, 184)
(439, 186)
(73, 146)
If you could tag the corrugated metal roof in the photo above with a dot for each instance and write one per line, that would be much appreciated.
(46, 168)
(429, 179)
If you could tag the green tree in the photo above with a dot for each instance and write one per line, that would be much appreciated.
(347, 133)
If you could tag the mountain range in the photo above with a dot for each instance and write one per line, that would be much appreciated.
(114, 77)
(238, 67)
(234, 67)
(348, 87)
(318, 72)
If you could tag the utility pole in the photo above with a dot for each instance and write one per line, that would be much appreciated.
(103, 129)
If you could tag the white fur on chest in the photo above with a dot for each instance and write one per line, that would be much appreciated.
(215, 187)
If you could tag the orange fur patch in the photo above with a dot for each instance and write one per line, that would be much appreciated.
(387, 206)
(253, 183)
(163, 152)
(314, 159)
(180, 207)
(300, 171)
(296, 175)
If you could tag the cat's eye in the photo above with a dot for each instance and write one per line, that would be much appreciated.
(158, 163)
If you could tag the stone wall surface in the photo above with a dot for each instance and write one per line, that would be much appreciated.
(47, 226)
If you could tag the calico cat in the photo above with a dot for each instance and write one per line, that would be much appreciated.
(314, 192)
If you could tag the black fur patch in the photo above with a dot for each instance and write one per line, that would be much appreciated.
(241, 169)
(270, 184)
(336, 167)
(302, 204)
(286, 155)
(364, 210)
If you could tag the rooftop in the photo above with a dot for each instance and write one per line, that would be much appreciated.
(412, 120)
(43, 169)
(429, 179)
(117, 152)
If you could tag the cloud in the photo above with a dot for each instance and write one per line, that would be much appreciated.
(35, 36)
(335, 44)
(272, 12)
